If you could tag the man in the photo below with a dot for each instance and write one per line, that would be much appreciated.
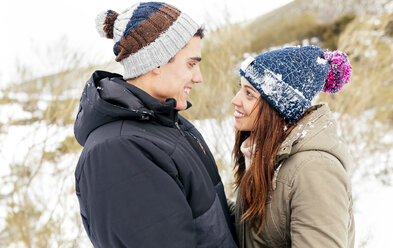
(146, 177)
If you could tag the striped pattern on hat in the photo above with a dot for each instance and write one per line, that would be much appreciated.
(146, 35)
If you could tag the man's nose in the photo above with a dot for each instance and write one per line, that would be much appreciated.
(197, 76)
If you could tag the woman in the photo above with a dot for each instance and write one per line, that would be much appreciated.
(291, 166)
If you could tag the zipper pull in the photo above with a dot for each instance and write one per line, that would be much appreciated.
(178, 127)
(199, 142)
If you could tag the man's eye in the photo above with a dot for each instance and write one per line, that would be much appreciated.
(192, 64)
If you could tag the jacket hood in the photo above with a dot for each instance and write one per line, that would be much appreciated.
(106, 97)
(318, 132)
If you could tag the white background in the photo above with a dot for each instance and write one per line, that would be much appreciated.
(33, 30)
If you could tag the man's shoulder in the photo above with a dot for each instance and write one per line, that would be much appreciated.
(120, 129)
(140, 133)
(117, 138)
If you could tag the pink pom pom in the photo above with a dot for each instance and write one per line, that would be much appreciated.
(340, 71)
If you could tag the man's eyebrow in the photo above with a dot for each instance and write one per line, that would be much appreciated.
(196, 59)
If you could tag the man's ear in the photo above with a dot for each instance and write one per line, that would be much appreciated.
(156, 71)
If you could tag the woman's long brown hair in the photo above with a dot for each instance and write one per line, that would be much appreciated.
(269, 131)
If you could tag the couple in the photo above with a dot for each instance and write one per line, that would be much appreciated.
(146, 177)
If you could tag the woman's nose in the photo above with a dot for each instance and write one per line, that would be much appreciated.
(235, 100)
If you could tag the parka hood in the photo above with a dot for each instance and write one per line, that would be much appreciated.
(107, 97)
(318, 132)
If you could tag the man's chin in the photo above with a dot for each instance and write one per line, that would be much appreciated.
(181, 106)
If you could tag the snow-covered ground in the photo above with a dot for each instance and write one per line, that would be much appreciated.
(373, 200)
(373, 214)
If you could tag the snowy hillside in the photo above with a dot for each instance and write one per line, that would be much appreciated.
(38, 206)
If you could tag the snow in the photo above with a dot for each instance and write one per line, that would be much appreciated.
(321, 61)
(268, 85)
(389, 7)
(372, 199)
(373, 214)
(8, 113)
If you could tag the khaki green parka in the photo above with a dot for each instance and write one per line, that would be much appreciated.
(311, 204)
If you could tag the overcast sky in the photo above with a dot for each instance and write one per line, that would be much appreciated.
(35, 33)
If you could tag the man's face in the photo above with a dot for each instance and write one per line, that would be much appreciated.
(177, 77)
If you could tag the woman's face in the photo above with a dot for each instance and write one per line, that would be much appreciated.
(245, 100)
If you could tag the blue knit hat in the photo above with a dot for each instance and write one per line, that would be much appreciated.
(289, 78)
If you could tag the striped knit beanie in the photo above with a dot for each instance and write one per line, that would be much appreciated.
(289, 78)
(146, 35)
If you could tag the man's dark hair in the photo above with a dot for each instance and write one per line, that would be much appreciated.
(200, 32)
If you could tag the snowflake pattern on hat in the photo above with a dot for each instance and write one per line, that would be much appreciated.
(289, 78)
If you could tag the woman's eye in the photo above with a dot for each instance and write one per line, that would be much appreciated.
(249, 94)
(191, 64)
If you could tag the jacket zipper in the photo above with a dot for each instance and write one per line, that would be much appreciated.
(178, 128)
(199, 142)
(183, 134)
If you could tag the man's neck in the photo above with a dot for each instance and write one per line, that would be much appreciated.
(146, 82)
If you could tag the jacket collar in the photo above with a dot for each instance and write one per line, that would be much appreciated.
(304, 129)
(107, 97)
(165, 113)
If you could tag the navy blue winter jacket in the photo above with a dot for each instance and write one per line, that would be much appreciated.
(145, 177)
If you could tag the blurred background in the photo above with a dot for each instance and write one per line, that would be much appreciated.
(49, 49)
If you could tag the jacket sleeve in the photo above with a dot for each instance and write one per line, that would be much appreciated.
(131, 201)
(321, 204)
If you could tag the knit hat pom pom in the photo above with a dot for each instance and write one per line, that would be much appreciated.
(105, 22)
(340, 71)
